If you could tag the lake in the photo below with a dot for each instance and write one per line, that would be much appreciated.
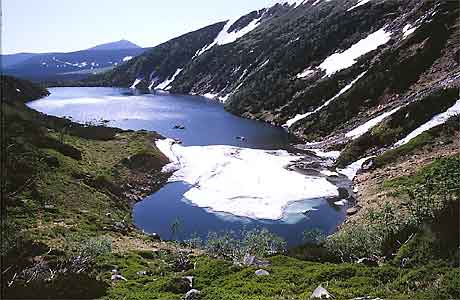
(206, 125)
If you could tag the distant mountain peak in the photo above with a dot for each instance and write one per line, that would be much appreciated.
(121, 44)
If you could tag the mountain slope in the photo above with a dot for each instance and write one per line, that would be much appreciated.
(72, 65)
(121, 44)
(320, 68)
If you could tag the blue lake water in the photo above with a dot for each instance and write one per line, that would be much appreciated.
(206, 123)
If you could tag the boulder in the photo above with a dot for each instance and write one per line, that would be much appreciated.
(321, 293)
(262, 272)
(193, 295)
(189, 279)
(343, 193)
(251, 260)
(368, 262)
(353, 210)
(118, 277)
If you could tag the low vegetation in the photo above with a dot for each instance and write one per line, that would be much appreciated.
(401, 123)
(68, 232)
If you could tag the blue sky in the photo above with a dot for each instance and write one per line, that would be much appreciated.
(69, 25)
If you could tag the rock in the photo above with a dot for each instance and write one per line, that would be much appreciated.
(321, 293)
(189, 279)
(251, 260)
(50, 207)
(343, 193)
(155, 236)
(118, 277)
(368, 262)
(119, 226)
(193, 295)
(262, 272)
(353, 210)
(367, 165)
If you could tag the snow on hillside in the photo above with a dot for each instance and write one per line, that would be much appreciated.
(225, 37)
(360, 2)
(352, 169)
(435, 121)
(343, 60)
(360, 130)
(299, 117)
(408, 30)
(165, 84)
(243, 182)
(135, 83)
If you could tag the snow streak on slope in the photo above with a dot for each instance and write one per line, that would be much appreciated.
(360, 130)
(343, 60)
(243, 182)
(408, 30)
(305, 73)
(297, 118)
(351, 170)
(435, 121)
(225, 37)
(291, 2)
(361, 2)
(135, 83)
(165, 84)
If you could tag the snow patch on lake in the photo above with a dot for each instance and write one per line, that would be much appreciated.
(210, 96)
(243, 182)
(299, 117)
(360, 130)
(343, 60)
(435, 121)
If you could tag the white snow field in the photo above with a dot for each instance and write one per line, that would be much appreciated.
(343, 60)
(435, 121)
(243, 182)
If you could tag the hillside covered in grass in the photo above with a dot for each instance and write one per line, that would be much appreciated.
(68, 191)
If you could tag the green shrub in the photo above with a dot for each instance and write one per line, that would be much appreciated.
(258, 242)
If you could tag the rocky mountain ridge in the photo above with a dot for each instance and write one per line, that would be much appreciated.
(350, 75)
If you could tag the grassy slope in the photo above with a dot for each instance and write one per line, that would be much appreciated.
(69, 197)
